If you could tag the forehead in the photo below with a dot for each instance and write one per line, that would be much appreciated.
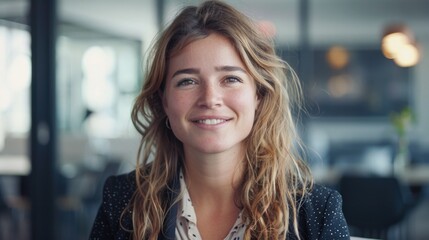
(213, 49)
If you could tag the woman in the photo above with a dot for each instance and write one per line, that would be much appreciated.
(217, 157)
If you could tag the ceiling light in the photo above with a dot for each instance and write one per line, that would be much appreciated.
(394, 37)
(407, 55)
(398, 44)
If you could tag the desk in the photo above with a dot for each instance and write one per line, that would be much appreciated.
(413, 175)
(18, 165)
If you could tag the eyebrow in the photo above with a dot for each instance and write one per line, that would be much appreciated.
(218, 69)
(186, 71)
(229, 69)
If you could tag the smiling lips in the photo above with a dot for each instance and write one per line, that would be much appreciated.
(211, 121)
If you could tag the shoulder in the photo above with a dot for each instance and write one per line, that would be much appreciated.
(320, 196)
(120, 187)
(118, 191)
(110, 221)
(321, 212)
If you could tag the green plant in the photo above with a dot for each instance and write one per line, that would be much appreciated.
(402, 121)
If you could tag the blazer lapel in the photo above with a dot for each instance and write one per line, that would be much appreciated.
(169, 227)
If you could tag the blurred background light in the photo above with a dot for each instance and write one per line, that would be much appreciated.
(5, 98)
(267, 28)
(98, 61)
(98, 94)
(392, 42)
(337, 57)
(19, 73)
(340, 85)
(98, 64)
(399, 45)
(407, 55)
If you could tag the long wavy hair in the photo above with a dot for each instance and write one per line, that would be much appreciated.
(275, 179)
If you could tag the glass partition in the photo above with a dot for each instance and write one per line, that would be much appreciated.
(98, 77)
(15, 80)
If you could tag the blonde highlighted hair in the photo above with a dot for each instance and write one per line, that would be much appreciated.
(275, 178)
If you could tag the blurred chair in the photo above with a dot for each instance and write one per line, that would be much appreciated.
(12, 220)
(5, 215)
(376, 207)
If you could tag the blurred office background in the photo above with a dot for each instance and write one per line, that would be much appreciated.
(367, 120)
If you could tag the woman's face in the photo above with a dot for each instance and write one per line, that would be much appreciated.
(210, 98)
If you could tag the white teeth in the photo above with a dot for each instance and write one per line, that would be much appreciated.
(211, 121)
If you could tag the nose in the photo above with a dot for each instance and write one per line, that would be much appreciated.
(210, 96)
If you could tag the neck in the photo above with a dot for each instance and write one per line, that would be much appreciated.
(214, 178)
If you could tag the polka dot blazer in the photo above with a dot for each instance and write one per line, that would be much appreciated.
(320, 216)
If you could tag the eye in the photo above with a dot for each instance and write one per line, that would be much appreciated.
(186, 82)
(233, 79)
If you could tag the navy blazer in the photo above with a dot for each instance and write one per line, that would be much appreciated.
(320, 216)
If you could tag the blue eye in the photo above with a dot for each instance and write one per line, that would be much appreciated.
(186, 82)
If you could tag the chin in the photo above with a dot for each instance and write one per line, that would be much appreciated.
(213, 148)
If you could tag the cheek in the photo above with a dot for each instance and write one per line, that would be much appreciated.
(246, 109)
(175, 105)
(246, 100)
